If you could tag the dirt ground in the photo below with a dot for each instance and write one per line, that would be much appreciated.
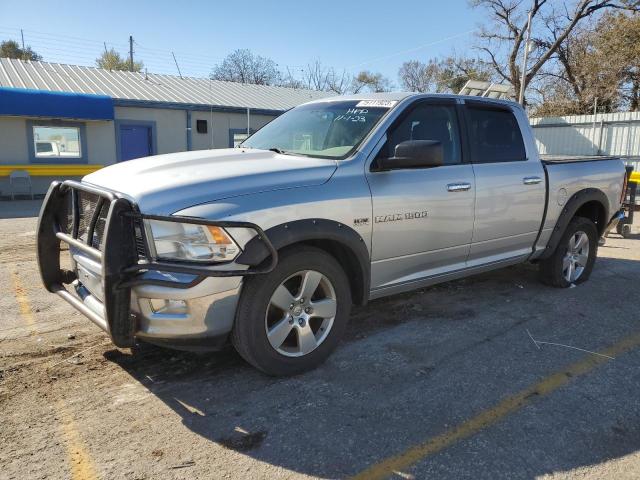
(453, 381)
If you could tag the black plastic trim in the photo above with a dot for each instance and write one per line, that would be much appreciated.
(576, 201)
(544, 211)
(314, 229)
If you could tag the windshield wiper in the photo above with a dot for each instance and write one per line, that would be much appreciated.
(277, 150)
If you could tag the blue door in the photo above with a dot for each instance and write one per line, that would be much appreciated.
(135, 141)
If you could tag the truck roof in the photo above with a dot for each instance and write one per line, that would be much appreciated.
(399, 96)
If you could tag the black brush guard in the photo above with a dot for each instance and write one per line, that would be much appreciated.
(109, 230)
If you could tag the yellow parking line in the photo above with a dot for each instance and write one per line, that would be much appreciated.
(486, 418)
(23, 302)
(82, 467)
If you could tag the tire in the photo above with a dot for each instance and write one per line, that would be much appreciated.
(626, 231)
(264, 305)
(554, 271)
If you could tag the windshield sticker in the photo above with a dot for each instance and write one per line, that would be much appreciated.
(353, 115)
(376, 103)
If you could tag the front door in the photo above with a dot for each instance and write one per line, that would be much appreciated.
(135, 141)
(422, 217)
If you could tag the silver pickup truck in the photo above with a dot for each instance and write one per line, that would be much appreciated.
(333, 203)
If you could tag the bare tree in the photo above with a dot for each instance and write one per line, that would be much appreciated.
(319, 77)
(599, 62)
(417, 76)
(446, 75)
(455, 72)
(243, 66)
(504, 38)
(367, 81)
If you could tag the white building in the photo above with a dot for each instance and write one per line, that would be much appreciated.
(64, 121)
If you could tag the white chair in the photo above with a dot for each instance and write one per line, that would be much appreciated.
(18, 179)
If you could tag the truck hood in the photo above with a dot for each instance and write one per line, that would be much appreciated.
(164, 184)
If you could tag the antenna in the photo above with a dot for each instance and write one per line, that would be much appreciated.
(177, 66)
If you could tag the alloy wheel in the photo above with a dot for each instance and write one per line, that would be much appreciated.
(577, 256)
(300, 313)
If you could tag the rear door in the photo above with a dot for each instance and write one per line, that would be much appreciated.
(422, 217)
(510, 188)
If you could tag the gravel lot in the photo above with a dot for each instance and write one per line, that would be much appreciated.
(445, 382)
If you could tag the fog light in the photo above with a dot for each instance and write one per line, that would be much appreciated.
(161, 305)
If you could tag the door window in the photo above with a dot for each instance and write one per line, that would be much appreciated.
(427, 122)
(494, 136)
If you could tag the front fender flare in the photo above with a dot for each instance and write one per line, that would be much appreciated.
(309, 230)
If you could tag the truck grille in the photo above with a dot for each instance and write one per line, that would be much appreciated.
(140, 244)
(87, 205)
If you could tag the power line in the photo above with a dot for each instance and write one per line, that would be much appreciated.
(72, 50)
(414, 49)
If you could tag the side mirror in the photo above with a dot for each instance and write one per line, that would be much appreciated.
(415, 154)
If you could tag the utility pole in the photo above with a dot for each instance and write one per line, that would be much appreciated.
(523, 77)
(24, 54)
(131, 53)
(105, 47)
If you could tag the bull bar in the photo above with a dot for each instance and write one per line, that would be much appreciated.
(116, 239)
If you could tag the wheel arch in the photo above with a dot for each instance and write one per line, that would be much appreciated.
(590, 203)
(337, 239)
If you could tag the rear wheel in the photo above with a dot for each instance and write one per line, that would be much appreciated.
(573, 259)
(291, 319)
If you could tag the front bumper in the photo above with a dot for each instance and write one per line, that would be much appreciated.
(117, 285)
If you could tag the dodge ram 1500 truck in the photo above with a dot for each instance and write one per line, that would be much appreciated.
(333, 203)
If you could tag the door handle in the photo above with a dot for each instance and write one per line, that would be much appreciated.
(531, 180)
(458, 187)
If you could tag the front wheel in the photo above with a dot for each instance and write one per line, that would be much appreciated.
(574, 257)
(291, 319)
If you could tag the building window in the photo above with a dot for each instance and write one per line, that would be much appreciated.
(238, 135)
(201, 126)
(56, 142)
(238, 138)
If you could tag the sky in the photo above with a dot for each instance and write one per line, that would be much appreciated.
(352, 35)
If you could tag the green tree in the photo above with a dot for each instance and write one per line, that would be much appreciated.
(112, 60)
(11, 49)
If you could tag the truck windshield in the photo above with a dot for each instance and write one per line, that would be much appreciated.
(323, 130)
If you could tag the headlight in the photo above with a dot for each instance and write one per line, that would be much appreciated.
(188, 241)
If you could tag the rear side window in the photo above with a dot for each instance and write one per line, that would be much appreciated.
(494, 136)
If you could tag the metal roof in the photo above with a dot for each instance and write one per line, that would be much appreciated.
(150, 87)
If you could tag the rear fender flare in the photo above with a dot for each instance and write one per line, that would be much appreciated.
(576, 201)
